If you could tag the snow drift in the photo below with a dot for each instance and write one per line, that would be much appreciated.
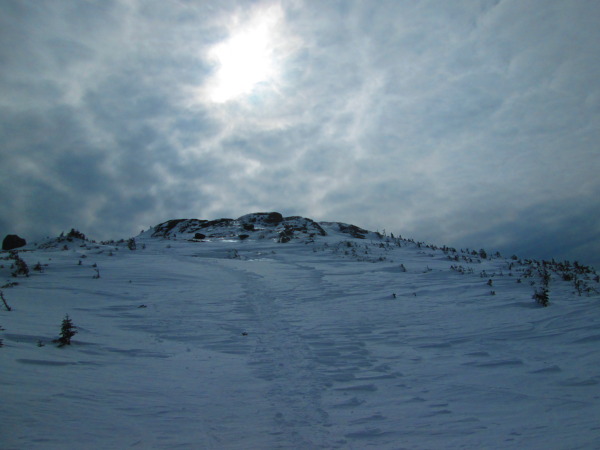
(280, 332)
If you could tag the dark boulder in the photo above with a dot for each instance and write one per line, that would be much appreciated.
(12, 241)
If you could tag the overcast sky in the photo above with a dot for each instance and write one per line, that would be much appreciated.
(472, 123)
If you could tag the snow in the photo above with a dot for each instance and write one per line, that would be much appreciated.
(235, 344)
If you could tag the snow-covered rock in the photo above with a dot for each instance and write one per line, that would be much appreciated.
(266, 225)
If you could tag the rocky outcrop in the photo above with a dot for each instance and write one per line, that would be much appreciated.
(12, 241)
(260, 225)
(305, 225)
(262, 218)
(217, 223)
(163, 229)
(286, 235)
(178, 226)
(352, 230)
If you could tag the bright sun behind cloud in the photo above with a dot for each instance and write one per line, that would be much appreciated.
(248, 58)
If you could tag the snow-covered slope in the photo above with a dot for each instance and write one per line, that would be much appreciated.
(272, 332)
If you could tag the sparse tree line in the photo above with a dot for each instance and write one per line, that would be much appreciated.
(582, 277)
(541, 273)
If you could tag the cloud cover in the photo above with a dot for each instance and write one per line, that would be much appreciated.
(468, 123)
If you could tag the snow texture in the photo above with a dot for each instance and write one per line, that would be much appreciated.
(334, 337)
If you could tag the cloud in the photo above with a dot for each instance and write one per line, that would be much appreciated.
(454, 122)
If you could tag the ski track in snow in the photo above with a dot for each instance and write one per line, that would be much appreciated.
(183, 345)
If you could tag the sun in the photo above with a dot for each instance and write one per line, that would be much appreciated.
(248, 58)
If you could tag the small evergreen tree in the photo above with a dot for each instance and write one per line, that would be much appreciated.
(131, 244)
(541, 296)
(67, 331)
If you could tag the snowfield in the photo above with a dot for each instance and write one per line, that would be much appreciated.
(335, 341)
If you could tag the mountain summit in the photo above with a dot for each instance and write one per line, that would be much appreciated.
(260, 225)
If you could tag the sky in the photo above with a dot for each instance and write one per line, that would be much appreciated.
(471, 123)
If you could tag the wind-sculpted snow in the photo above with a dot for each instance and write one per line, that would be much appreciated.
(328, 340)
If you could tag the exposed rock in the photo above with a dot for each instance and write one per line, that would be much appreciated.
(12, 241)
(286, 235)
(264, 218)
(261, 225)
(75, 234)
(162, 229)
(273, 217)
(304, 225)
(177, 226)
(353, 230)
(190, 226)
(217, 223)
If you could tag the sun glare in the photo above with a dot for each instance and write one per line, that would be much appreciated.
(247, 58)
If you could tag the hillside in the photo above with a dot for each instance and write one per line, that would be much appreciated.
(273, 332)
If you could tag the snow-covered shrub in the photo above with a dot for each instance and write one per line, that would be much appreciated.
(545, 275)
(541, 296)
(579, 285)
(20, 266)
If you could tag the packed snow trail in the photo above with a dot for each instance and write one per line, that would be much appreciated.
(233, 345)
